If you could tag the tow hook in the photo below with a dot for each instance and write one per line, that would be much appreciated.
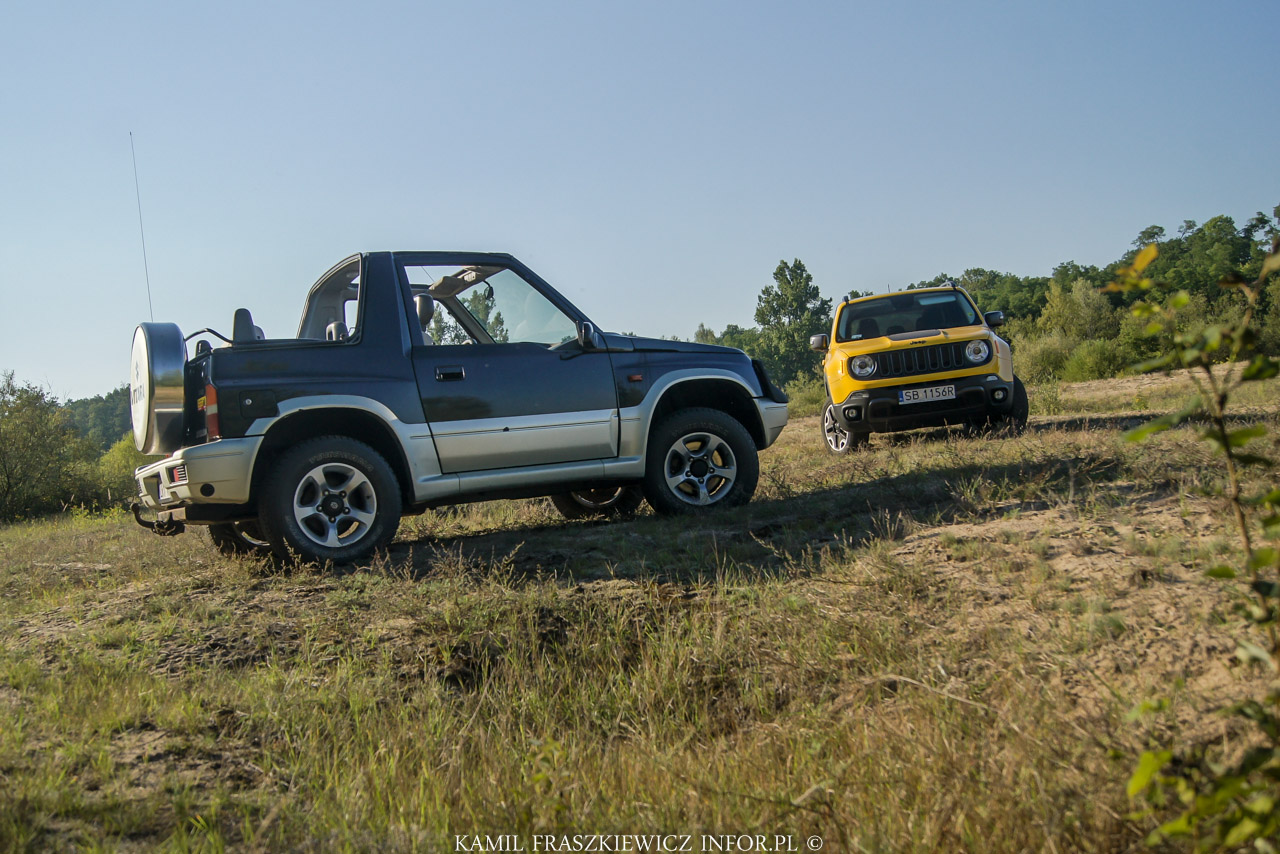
(162, 527)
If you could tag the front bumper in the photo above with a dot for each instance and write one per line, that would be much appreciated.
(773, 417)
(877, 410)
(219, 472)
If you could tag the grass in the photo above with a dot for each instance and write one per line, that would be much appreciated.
(928, 645)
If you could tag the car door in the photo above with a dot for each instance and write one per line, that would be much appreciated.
(503, 380)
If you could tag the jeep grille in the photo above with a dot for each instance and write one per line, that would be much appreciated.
(920, 360)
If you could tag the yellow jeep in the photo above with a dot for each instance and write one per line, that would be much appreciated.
(916, 358)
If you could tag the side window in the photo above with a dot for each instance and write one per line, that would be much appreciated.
(351, 313)
(521, 313)
(490, 305)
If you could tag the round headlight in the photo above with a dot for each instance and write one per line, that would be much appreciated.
(977, 352)
(862, 366)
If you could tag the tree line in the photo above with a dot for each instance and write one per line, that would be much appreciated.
(1062, 326)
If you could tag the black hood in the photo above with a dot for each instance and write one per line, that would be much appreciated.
(661, 345)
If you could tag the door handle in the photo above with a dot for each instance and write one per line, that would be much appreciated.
(449, 373)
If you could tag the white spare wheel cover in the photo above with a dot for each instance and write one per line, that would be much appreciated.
(155, 387)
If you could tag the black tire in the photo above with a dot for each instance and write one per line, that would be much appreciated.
(238, 539)
(1020, 412)
(602, 503)
(699, 460)
(329, 499)
(838, 440)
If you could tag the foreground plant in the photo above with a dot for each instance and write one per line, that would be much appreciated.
(1222, 804)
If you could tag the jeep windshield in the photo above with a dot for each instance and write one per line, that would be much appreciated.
(905, 313)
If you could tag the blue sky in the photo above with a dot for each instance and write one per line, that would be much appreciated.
(654, 161)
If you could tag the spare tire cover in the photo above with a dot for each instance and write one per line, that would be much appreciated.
(156, 376)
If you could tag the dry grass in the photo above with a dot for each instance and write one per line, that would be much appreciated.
(927, 645)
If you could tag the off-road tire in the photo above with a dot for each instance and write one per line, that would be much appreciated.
(699, 460)
(329, 499)
(604, 503)
(1020, 412)
(838, 440)
(238, 539)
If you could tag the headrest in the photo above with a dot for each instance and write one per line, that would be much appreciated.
(336, 331)
(242, 327)
(426, 307)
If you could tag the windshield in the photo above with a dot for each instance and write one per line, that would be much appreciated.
(905, 313)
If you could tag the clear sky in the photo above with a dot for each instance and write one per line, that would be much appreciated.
(653, 160)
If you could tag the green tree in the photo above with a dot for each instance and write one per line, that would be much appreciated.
(44, 464)
(115, 470)
(101, 419)
(788, 312)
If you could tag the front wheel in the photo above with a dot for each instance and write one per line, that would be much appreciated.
(1020, 412)
(330, 499)
(600, 503)
(839, 440)
(238, 539)
(698, 460)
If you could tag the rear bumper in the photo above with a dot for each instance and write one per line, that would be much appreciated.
(217, 473)
(877, 410)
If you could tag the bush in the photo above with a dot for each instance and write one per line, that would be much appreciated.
(115, 471)
(1095, 360)
(1040, 360)
(808, 395)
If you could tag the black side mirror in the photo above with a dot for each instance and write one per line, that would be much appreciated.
(819, 342)
(588, 338)
(994, 318)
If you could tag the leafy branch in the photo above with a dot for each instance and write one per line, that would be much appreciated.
(1222, 806)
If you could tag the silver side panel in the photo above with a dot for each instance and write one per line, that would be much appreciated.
(483, 481)
(415, 439)
(530, 440)
(636, 420)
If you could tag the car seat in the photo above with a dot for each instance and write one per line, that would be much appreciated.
(426, 307)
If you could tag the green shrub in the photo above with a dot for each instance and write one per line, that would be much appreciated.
(1040, 360)
(808, 395)
(115, 471)
(1095, 360)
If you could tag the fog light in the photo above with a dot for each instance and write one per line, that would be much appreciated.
(852, 413)
(998, 394)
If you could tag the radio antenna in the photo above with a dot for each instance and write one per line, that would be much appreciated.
(141, 231)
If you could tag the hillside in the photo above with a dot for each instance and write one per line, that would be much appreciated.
(928, 645)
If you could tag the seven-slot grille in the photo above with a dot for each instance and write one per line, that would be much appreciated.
(920, 360)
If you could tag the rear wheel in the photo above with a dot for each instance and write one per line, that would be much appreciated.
(330, 499)
(239, 539)
(604, 502)
(699, 460)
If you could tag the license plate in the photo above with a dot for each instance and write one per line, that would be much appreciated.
(923, 395)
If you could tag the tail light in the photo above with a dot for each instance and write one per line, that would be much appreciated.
(209, 405)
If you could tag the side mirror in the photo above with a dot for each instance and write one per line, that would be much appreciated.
(588, 338)
(994, 318)
(820, 342)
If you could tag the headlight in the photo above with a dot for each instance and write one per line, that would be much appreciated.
(862, 366)
(977, 352)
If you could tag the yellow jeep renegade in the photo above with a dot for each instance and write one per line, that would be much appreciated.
(917, 358)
